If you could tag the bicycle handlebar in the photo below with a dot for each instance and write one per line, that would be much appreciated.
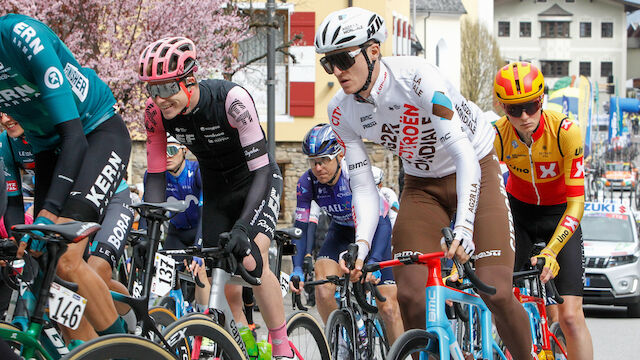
(296, 297)
(554, 290)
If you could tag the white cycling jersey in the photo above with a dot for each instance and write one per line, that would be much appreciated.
(415, 112)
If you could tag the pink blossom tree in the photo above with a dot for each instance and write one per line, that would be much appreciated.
(109, 35)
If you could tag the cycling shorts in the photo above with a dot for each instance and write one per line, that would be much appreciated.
(429, 204)
(180, 239)
(110, 241)
(339, 237)
(536, 224)
(109, 147)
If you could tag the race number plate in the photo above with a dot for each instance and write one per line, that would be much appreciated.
(137, 289)
(162, 282)
(65, 306)
(284, 283)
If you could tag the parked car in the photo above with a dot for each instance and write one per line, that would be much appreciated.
(620, 175)
(611, 252)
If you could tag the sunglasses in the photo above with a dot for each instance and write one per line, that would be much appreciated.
(322, 160)
(343, 60)
(172, 150)
(164, 90)
(530, 108)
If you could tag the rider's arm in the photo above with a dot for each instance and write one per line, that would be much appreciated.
(571, 145)
(363, 188)
(314, 217)
(303, 209)
(242, 115)
(14, 213)
(155, 184)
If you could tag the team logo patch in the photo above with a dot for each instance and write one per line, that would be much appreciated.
(53, 78)
(12, 186)
(570, 223)
(514, 144)
(547, 170)
(566, 124)
(577, 168)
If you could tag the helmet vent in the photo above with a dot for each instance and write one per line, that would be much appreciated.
(343, 40)
(324, 33)
(518, 90)
(373, 17)
(335, 34)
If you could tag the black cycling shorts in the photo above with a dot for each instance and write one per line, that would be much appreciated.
(535, 224)
(109, 242)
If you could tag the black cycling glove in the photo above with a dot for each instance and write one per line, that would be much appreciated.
(239, 243)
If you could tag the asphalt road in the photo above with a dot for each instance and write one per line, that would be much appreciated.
(614, 335)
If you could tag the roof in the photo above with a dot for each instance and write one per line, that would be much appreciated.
(440, 6)
(555, 10)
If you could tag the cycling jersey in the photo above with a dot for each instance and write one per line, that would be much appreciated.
(392, 199)
(549, 172)
(16, 154)
(415, 112)
(42, 84)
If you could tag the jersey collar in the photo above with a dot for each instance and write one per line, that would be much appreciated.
(540, 130)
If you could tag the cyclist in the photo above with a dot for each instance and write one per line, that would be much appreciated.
(241, 184)
(387, 193)
(407, 105)
(81, 148)
(544, 152)
(327, 182)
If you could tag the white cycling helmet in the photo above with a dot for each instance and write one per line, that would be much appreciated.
(378, 174)
(348, 27)
(171, 139)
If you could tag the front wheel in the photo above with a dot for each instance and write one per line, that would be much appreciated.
(412, 342)
(559, 349)
(339, 331)
(378, 341)
(119, 346)
(306, 337)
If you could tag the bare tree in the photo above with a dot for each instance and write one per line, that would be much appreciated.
(480, 61)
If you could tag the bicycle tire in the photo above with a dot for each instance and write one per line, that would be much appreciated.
(162, 316)
(557, 331)
(378, 340)
(339, 332)
(119, 346)
(188, 329)
(301, 322)
(412, 341)
(14, 344)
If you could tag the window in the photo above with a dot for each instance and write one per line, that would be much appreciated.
(571, 0)
(554, 29)
(555, 68)
(585, 68)
(607, 30)
(525, 29)
(585, 29)
(606, 68)
(503, 28)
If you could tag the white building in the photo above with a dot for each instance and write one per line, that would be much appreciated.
(566, 37)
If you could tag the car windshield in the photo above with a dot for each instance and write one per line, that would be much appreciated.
(618, 167)
(607, 227)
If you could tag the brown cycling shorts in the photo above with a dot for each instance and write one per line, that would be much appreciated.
(429, 204)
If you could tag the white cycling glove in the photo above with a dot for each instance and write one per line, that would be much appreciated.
(465, 236)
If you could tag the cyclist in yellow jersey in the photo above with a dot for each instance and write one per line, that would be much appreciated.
(544, 152)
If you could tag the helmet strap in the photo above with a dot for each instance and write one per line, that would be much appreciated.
(188, 92)
(370, 65)
(334, 174)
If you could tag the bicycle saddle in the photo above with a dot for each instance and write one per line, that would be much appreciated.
(73, 231)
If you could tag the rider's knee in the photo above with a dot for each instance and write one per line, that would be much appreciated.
(389, 310)
(68, 266)
(325, 293)
(407, 297)
(571, 320)
(101, 267)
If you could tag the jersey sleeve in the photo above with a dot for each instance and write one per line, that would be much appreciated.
(365, 198)
(304, 198)
(46, 69)
(497, 143)
(156, 139)
(314, 214)
(11, 173)
(242, 115)
(572, 148)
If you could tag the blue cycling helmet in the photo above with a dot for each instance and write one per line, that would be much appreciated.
(320, 141)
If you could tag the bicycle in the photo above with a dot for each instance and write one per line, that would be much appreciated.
(67, 306)
(217, 323)
(439, 340)
(354, 330)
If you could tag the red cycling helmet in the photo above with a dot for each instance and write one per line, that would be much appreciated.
(168, 58)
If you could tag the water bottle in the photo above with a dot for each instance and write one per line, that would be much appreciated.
(249, 341)
(362, 334)
(264, 350)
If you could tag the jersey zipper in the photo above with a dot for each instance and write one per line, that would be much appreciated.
(532, 170)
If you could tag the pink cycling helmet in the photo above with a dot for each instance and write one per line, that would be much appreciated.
(167, 58)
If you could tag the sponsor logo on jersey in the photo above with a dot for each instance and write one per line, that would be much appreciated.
(514, 144)
(416, 85)
(12, 185)
(53, 78)
(335, 116)
(467, 117)
(79, 83)
(103, 187)
(570, 223)
(546, 170)
(577, 168)
(487, 253)
(358, 164)
(119, 231)
(566, 124)
(31, 44)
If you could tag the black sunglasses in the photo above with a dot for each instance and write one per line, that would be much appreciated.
(165, 90)
(530, 108)
(344, 60)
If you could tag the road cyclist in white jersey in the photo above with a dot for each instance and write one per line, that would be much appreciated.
(408, 106)
(387, 193)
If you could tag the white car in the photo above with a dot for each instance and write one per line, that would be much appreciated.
(611, 252)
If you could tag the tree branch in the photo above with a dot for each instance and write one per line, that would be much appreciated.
(282, 49)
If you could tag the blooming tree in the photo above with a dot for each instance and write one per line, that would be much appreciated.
(109, 35)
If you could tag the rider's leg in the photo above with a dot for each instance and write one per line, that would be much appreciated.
(325, 294)
(233, 294)
(103, 269)
(390, 312)
(574, 327)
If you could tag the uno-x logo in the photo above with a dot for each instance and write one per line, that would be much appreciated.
(545, 170)
(566, 124)
(577, 168)
(570, 223)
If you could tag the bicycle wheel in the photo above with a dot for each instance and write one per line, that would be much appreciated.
(162, 316)
(119, 346)
(306, 337)
(339, 331)
(557, 350)
(411, 343)
(16, 346)
(207, 340)
(377, 334)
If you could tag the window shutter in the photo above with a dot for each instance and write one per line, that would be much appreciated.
(302, 74)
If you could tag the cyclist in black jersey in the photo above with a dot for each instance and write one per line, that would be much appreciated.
(217, 121)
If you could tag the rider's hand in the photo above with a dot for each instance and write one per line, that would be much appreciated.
(297, 271)
(462, 245)
(373, 277)
(307, 263)
(36, 246)
(356, 273)
(197, 264)
(551, 266)
(239, 243)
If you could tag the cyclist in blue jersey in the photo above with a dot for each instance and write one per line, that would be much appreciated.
(327, 183)
(80, 145)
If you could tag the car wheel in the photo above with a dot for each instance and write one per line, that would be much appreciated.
(633, 310)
